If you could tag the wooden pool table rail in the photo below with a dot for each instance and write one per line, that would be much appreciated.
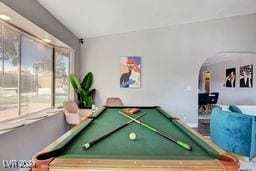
(107, 164)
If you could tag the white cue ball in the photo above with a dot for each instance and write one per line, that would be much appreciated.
(132, 136)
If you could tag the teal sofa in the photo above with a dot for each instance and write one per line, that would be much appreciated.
(234, 132)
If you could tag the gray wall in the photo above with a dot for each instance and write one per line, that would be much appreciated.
(24, 142)
(234, 95)
(38, 15)
(171, 60)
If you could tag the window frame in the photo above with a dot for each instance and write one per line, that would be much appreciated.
(22, 33)
(70, 70)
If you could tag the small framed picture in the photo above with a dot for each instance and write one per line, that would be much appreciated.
(230, 77)
(246, 76)
(130, 72)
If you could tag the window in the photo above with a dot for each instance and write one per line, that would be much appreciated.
(36, 75)
(26, 74)
(1, 74)
(62, 62)
(9, 102)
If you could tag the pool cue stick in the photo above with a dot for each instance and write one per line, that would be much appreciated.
(180, 143)
(88, 145)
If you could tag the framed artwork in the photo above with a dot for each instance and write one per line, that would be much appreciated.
(130, 71)
(231, 77)
(246, 76)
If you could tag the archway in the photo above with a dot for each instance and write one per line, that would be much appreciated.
(221, 67)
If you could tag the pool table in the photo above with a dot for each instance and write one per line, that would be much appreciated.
(148, 151)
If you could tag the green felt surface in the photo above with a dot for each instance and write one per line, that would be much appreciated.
(148, 145)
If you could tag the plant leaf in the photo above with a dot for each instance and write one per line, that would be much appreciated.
(75, 83)
(83, 95)
(84, 104)
(87, 81)
(92, 93)
(89, 102)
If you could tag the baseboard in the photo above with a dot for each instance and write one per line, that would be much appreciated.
(192, 125)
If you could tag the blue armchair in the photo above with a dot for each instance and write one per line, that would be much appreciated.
(234, 132)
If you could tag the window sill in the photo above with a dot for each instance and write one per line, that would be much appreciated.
(26, 120)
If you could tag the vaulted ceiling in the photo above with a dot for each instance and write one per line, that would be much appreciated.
(90, 18)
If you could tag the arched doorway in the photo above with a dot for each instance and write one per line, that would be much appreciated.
(213, 78)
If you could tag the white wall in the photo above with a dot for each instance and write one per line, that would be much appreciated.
(171, 60)
(234, 95)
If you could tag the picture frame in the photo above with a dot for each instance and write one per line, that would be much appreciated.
(130, 72)
(246, 76)
(230, 79)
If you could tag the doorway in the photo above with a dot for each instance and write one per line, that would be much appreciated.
(207, 81)
(204, 119)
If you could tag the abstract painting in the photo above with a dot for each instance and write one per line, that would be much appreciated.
(130, 72)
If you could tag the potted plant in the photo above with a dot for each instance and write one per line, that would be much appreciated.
(84, 93)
